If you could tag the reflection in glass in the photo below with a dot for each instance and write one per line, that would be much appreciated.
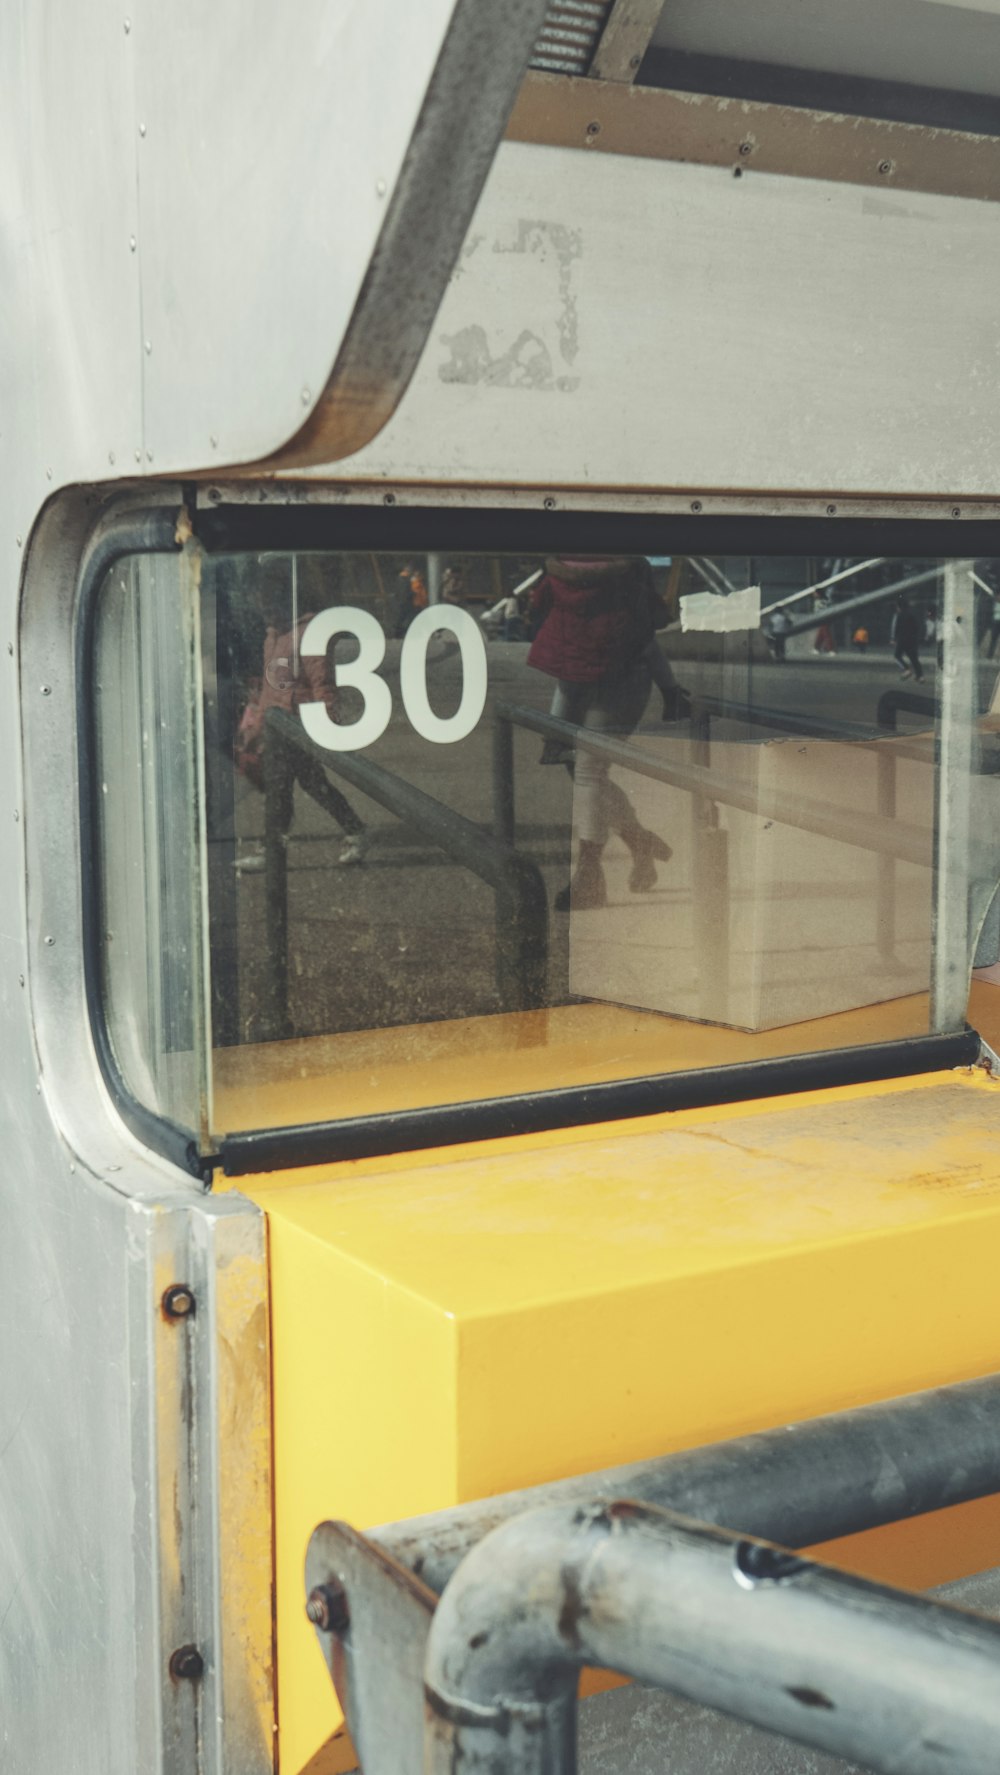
(484, 824)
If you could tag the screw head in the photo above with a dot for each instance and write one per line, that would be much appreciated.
(885, 167)
(388, 499)
(696, 505)
(593, 129)
(187, 1664)
(831, 511)
(746, 148)
(327, 1608)
(549, 503)
(956, 511)
(179, 1301)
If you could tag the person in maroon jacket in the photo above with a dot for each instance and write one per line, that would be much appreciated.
(594, 620)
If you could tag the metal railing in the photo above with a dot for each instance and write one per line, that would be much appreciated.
(535, 1583)
(521, 923)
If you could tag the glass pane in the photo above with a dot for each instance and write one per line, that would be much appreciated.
(485, 824)
(149, 695)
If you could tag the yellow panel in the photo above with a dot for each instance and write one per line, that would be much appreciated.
(489, 1317)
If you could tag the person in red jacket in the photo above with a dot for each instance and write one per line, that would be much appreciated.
(595, 618)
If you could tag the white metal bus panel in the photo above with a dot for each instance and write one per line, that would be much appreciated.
(624, 322)
(189, 202)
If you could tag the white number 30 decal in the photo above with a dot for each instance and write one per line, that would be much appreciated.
(361, 674)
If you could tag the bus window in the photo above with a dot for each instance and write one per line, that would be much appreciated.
(467, 826)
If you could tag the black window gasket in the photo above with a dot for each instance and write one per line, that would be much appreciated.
(223, 529)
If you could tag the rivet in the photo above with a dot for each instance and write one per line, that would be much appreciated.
(149, 347)
(635, 61)
(46, 689)
(327, 1608)
(746, 147)
(831, 511)
(187, 1664)
(549, 503)
(885, 167)
(306, 397)
(149, 455)
(131, 243)
(138, 456)
(956, 511)
(20, 979)
(128, 25)
(215, 495)
(380, 188)
(178, 1301)
(17, 539)
(48, 474)
(17, 816)
(213, 440)
(593, 129)
(696, 505)
(111, 458)
(388, 499)
(142, 129)
(49, 942)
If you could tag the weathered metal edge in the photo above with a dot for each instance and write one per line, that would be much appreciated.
(608, 117)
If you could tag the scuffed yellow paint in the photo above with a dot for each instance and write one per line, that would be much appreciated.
(503, 1315)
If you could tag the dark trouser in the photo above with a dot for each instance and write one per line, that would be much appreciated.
(294, 766)
(906, 655)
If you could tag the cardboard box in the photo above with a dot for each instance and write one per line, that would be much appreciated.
(767, 914)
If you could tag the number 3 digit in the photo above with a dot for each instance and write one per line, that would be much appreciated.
(360, 674)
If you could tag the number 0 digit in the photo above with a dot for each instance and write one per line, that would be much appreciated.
(444, 730)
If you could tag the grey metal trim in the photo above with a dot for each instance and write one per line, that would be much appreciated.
(196, 1390)
(461, 124)
(625, 40)
(956, 737)
(290, 489)
(827, 1659)
(749, 136)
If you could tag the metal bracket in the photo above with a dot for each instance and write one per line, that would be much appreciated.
(383, 1629)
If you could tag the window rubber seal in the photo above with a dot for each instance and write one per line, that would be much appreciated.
(241, 529)
(536, 1112)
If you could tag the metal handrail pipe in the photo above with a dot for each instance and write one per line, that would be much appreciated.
(801, 1484)
(468, 843)
(820, 617)
(522, 903)
(868, 832)
(888, 1679)
(821, 584)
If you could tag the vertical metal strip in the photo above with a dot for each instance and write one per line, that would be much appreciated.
(955, 753)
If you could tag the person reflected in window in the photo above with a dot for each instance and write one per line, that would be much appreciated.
(907, 634)
(595, 621)
(287, 681)
(413, 598)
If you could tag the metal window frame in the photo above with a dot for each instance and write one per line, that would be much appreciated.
(751, 136)
(291, 518)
